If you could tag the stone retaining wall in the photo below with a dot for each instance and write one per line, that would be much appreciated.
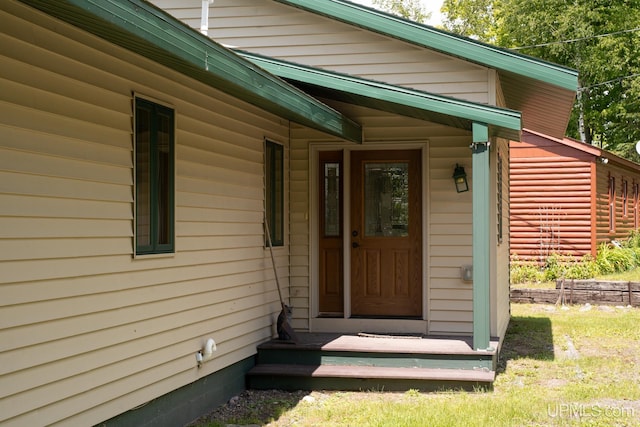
(582, 292)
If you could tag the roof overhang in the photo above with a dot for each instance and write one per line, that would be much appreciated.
(395, 99)
(146, 30)
(543, 91)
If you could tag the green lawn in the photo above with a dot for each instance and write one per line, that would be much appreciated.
(572, 366)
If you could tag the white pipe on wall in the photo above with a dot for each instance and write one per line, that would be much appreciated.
(204, 16)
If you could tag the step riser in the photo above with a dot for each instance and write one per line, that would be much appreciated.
(273, 356)
(364, 384)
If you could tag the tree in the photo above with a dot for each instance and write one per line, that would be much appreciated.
(408, 9)
(599, 38)
(470, 18)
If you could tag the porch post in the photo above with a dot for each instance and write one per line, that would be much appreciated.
(481, 228)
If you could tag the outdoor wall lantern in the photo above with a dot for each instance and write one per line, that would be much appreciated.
(460, 178)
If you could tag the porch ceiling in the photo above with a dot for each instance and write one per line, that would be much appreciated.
(544, 92)
(394, 99)
(146, 30)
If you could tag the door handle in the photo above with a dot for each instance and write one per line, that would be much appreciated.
(355, 245)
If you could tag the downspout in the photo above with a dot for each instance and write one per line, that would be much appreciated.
(481, 242)
(204, 16)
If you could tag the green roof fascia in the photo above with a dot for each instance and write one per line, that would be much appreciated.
(442, 41)
(147, 30)
(509, 121)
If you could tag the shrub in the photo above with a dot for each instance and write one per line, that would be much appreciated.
(587, 268)
(612, 259)
(556, 267)
(616, 257)
(524, 272)
(552, 268)
(633, 241)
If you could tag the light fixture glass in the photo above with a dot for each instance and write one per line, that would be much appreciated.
(460, 178)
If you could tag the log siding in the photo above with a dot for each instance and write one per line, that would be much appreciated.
(562, 197)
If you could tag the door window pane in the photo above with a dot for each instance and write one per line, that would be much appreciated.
(332, 206)
(386, 199)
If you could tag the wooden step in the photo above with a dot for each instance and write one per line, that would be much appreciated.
(330, 377)
(349, 350)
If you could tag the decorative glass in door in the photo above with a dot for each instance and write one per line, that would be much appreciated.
(386, 204)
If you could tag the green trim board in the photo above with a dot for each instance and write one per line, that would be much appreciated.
(442, 41)
(145, 29)
(481, 224)
(342, 383)
(185, 404)
(396, 99)
(387, 358)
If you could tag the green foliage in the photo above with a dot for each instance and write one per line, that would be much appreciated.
(599, 38)
(585, 269)
(556, 267)
(633, 241)
(611, 259)
(470, 18)
(524, 272)
(570, 34)
(567, 267)
(408, 9)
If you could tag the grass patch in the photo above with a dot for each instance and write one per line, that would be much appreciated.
(626, 276)
(569, 367)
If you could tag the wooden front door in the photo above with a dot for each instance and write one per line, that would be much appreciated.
(386, 234)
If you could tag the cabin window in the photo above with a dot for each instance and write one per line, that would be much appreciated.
(154, 178)
(274, 191)
(625, 211)
(636, 201)
(612, 204)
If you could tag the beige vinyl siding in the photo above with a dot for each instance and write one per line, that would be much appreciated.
(87, 331)
(450, 236)
(300, 239)
(276, 30)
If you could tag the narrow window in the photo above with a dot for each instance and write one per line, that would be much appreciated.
(625, 210)
(154, 171)
(274, 191)
(636, 201)
(612, 204)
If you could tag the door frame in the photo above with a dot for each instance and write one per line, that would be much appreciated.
(347, 324)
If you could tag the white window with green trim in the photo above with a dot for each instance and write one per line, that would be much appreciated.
(154, 139)
(274, 191)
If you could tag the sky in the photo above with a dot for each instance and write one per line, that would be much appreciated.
(432, 6)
